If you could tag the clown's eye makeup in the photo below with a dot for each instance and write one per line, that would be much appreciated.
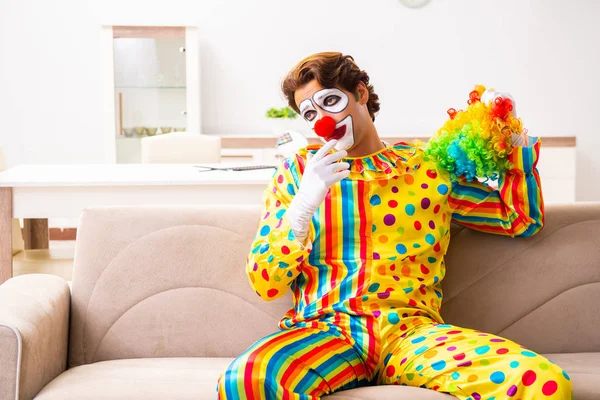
(307, 110)
(331, 100)
(310, 115)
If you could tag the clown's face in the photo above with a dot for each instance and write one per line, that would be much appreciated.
(335, 107)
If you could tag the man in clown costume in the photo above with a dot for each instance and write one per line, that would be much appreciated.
(357, 229)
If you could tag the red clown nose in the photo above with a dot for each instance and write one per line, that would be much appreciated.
(325, 126)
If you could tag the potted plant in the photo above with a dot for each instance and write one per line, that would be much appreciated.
(281, 119)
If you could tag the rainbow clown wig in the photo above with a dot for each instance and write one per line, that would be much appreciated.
(476, 142)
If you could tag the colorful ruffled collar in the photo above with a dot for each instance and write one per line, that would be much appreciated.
(393, 160)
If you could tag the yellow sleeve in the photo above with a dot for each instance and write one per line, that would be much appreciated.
(276, 255)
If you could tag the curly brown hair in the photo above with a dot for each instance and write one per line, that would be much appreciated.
(330, 69)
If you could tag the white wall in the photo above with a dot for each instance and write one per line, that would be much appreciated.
(421, 62)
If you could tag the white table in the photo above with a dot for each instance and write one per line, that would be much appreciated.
(63, 191)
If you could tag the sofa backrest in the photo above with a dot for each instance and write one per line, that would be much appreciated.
(171, 282)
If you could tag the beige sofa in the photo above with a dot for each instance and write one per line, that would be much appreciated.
(160, 304)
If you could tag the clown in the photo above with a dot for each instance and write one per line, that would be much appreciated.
(357, 230)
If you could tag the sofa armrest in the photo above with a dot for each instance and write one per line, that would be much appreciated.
(34, 327)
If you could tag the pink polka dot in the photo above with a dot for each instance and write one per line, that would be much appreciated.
(502, 351)
(285, 250)
(529, 378)
(280, 179)
(549, 388)
(451, 348)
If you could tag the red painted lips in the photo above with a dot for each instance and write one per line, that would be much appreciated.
(337, 134)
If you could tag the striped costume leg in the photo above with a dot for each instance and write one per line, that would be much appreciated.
(300, 363)
(472, 365)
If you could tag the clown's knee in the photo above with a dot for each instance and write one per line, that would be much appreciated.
(243, 380)
(541, 378)
(558, 384)
(257, 379)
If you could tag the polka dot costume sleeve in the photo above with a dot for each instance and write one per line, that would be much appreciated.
(515, 209)
(276, 255)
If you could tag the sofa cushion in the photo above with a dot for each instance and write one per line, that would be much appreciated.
(196, 378)
(143, 378)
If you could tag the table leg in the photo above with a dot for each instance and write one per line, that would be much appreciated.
(6, 210)
(35, 233)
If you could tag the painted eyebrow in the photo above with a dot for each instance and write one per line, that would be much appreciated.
(304, 104)
(324, 92)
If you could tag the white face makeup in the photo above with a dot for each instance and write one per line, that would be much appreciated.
(332, 101)
(346, 141)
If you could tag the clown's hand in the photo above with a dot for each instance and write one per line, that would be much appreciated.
(321, 172)
(489, 97)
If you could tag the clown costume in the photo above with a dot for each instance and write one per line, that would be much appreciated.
(359, 240)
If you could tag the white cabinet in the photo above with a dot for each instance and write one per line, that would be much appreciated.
(152, 79)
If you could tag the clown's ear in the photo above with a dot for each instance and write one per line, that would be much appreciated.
(363, 93)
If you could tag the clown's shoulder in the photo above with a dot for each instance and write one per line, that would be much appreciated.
(414, 154)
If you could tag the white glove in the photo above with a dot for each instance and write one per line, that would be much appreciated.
(321, 172)
(489, 96)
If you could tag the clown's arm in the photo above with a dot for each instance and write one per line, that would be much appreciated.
(286, 231)
(276, 254)
(515, 209)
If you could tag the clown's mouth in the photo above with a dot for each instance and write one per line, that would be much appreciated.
(337, 134)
